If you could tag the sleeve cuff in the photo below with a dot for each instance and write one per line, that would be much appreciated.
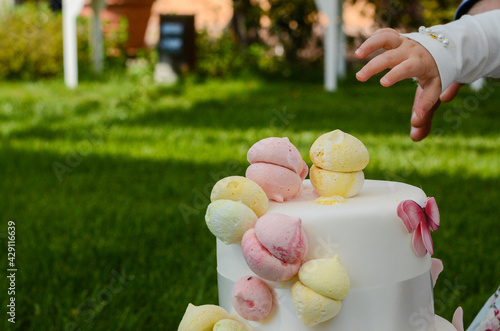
(443, 56)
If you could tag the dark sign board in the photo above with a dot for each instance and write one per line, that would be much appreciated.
(177, 41)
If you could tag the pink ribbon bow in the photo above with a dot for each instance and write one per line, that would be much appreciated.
(420, 221)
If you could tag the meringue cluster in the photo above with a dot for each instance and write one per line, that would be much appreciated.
(237, 203)
(275, 255)
(252, 299)
(273, 245)
(339, 160)
(277, 166)
(209, 318)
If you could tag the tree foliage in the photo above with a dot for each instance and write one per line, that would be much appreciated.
(246, 21)
(409, 15)
(438, 11)
(292, 23)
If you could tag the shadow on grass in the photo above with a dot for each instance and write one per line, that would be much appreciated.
(122, 243)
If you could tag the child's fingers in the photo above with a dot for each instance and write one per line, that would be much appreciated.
(385, 39)
(421, 126)
(384, 30)
(419, 133)
(451, 92)
(425, 101)
(388, 59)
(404, 70)
(416, 121)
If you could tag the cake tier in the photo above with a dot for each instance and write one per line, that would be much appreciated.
(391, 287)
(374, 309)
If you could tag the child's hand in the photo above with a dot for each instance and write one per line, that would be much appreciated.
(407, 59)
(421, 126)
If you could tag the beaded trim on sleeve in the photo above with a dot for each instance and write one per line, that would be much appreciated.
(440, 37)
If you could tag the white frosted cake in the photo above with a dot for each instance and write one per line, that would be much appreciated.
(336, 252)
(391, 286)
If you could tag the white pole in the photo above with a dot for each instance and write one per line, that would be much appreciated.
(70, 50)
(332, 52)
(331, 9)
(97, 36)
(71, 9)
(342, 44)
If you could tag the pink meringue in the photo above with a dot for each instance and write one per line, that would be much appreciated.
(283, 236)
(252, 298)
(278, 182)
(278, 151)
(263, 263)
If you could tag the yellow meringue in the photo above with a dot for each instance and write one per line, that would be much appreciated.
(201, 318)
(242, 189)
(313, 308)
(228, 220)
(339, 151)
(326, 276)
(331, 183)
(229, 325)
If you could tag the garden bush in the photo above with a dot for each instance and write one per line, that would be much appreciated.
(220, 56)
(32, 45)
(224, 56)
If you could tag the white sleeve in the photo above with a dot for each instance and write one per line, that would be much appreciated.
(473, 50)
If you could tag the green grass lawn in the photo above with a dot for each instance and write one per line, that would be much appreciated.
(108, 185)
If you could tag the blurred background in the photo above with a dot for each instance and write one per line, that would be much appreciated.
(108, 182)
(232, 36)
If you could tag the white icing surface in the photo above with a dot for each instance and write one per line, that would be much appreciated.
(374, 247)
(383, 308)
(365, 231)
